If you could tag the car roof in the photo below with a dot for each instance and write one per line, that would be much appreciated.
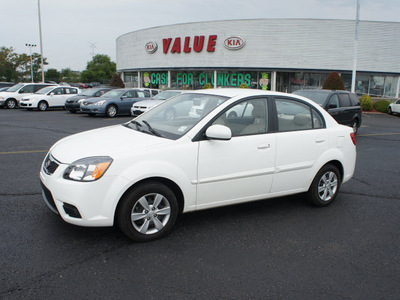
(323, 91)
(233, 92)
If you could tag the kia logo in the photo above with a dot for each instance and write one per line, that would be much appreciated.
(151, 47)
(234, 43)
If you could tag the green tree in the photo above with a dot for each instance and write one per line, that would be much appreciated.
(8, 70)
(334, 82)
(53, 75)
(70, 76)
(100, 69)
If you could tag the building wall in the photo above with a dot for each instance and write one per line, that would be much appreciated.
(291, 44)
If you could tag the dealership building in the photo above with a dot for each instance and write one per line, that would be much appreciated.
(271, 54)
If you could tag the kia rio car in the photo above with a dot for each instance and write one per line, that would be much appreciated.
(142, 174)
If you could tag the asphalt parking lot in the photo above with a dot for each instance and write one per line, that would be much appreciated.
(274, 249)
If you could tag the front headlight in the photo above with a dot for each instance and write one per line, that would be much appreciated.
(100, 102)
(88, 169)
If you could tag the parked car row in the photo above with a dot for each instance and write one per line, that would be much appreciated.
(342, 105)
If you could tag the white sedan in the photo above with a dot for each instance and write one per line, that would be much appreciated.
(53, 96)
(142, 174)
(394, 107)
(142, 106)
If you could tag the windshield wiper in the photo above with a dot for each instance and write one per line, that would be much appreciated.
(151, 129)
(134, 122)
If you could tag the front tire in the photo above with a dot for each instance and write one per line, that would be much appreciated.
(42, 106)
(111, 111)
(390, 112)
(325, 186)
(147, 212)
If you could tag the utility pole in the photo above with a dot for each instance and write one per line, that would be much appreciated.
(93, 46)
(353, 77)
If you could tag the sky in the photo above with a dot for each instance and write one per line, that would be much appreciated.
(73, 30)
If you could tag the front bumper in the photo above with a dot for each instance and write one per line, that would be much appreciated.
(72, 106)
(93, 109)
(25, 104)
(90, 204)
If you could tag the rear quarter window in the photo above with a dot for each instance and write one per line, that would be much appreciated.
(354, 100)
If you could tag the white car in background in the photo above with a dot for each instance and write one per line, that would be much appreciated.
(13, 95)
(140, 175)
(142, 106)
(394, 107)
(53, 96)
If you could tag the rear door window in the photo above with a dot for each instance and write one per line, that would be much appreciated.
(30, 88)
(344, 100)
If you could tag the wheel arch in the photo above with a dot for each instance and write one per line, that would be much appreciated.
(42, 100)
(167, 182)
(338, 165)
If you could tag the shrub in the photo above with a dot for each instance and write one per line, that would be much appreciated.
(382, 105)
(366, 103)
(243, 86)
(208, 86)
(334, 82)
(116, 81)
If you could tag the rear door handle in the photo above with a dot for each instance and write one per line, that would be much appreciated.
(320, 140)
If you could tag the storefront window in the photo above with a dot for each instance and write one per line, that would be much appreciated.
(390, 86)
(155, 80)
(290, 82)
(131, 79)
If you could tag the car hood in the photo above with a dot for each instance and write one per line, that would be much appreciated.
(149, 102)
(107, 141)
(76, 98)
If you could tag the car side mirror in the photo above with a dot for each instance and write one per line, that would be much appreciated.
(123, 97)
(332, 105)
(219, 132)
(52, 94)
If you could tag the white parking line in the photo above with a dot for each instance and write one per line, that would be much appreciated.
(23, 152)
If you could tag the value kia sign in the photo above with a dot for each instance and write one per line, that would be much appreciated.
(151, 47)
(234, 43)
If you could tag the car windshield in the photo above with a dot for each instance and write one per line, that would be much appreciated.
(45, 90)
(15, 88)
(316, 96)
(166, 95)
(174, 118)
(113, 94)
(89, 92)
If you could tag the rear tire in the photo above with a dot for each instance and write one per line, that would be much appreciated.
(325, 186)
(11, 104)
(355, 126)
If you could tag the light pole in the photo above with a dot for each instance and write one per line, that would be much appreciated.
(41, 42)
(30, 53)
(355, 53)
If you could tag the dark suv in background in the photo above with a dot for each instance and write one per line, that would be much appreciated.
(343, 106)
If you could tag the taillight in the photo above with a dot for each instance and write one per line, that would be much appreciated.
(353, 137)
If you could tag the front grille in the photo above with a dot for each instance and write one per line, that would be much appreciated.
(50, 165)
(48, 198)
(137, 112)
